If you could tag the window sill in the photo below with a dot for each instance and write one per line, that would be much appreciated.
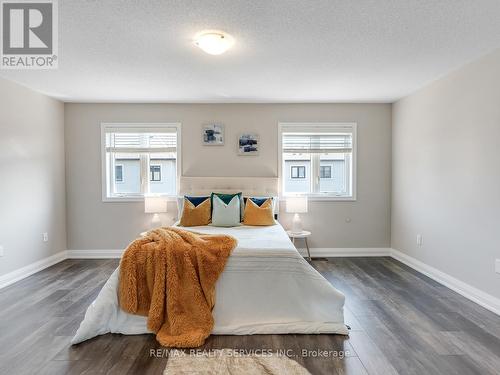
(169, 198)
(322, 198)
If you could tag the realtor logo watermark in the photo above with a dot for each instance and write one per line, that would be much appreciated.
(29, 34)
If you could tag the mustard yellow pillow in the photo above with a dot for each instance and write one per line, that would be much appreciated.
(193, 216)
(255, 215)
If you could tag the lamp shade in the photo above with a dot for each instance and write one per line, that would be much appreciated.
(155, 205)
(296, 205)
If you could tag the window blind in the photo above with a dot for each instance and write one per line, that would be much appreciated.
(316, 143)
(141, 140)
(317, 138)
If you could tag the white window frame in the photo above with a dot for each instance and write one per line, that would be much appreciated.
(137, 198)
(314, 173)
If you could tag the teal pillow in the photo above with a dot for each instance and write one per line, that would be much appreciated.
(226, 214)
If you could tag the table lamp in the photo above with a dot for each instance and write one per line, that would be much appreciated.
(155, 205)
(296, 206)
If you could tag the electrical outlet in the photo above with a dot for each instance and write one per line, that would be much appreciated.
(497, 266)
(420, 240)
(45, 237)
(1, 251)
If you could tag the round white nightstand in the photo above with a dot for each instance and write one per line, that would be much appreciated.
(303, 234)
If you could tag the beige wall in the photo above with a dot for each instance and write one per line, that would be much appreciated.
(446, 180)
(32, 183)
(93, 224)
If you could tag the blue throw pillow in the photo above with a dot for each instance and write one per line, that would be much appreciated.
(196, 200)
(258, 201)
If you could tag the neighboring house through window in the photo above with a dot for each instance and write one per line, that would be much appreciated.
(139, 159)
(155, 173)
(118, 173)
(298, 171)
(318, 160)
(325, 171)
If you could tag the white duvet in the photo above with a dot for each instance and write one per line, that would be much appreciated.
(266, 288)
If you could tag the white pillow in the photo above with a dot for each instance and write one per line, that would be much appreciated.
(226, 215)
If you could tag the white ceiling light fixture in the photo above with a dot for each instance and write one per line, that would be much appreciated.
(214, 42)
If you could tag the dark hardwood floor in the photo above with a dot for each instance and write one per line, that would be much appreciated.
(402, 323)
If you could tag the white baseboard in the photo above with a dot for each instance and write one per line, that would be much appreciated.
(468, 291)
(94, 254)
(30, 269)
(327, 252)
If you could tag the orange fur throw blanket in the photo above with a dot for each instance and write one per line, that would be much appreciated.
(169, 276)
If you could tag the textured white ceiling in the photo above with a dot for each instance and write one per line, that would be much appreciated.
(285, 51)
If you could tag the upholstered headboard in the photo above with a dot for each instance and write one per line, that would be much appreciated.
(249, 186)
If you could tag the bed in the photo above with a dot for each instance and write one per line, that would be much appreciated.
(267, 287)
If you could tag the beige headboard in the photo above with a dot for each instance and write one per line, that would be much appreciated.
(249, 186)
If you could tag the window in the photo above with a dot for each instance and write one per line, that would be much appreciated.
(134, 158)
(118, 173)
(325, 171)
(155, 173)
(298, 171)
(318, 160)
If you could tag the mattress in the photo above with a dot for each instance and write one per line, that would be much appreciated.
(267, 287)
